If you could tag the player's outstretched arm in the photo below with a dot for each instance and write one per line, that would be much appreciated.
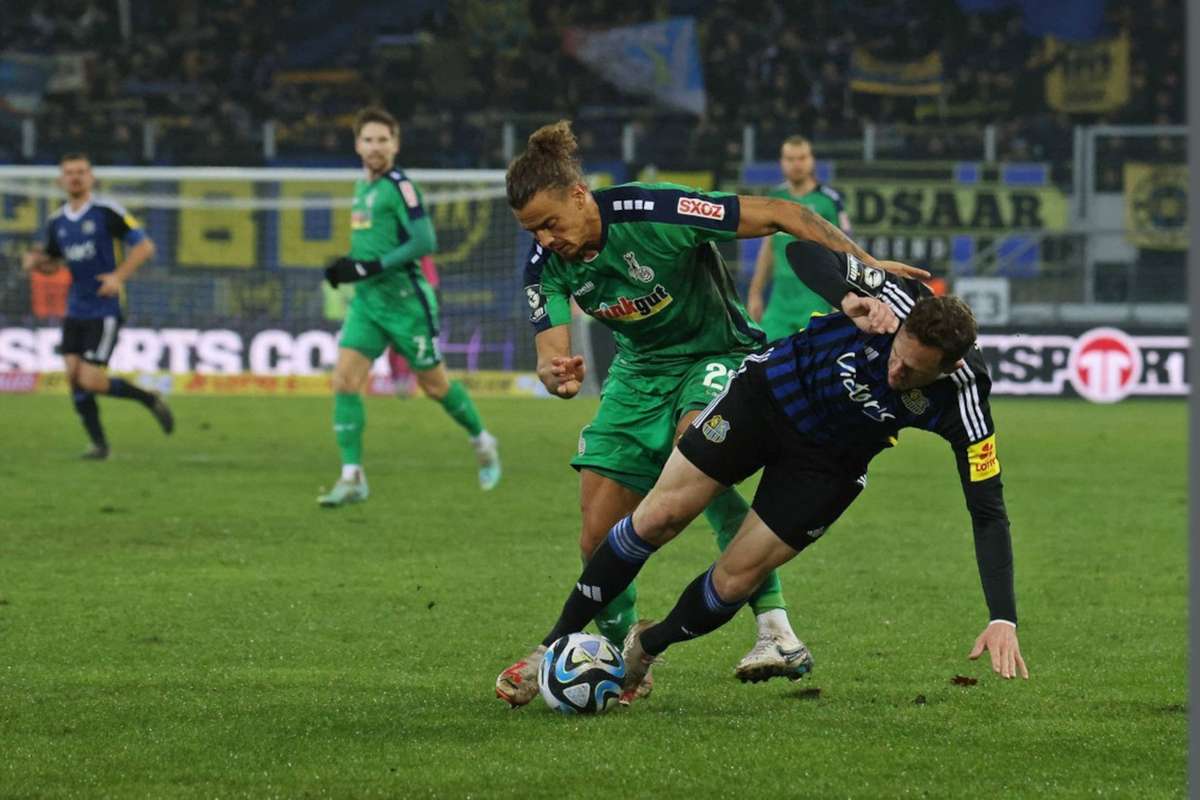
(560, 372)
(999, 638)
(763, 216)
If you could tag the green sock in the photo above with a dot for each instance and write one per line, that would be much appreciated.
(616, 618)
(459, 406)
(725, 513)
(349, 419)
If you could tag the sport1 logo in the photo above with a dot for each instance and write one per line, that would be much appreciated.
(1104, 365)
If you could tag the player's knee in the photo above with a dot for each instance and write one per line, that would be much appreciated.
(90, 381)
(435, 386)
(344, 383)
(590, 537)
(661, 516)
(735, 583)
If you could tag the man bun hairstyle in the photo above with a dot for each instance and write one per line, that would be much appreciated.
(549, 162)
(946, 323)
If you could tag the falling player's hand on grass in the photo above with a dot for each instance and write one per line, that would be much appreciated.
(870, 314)
(567, 372)
(1000, 639)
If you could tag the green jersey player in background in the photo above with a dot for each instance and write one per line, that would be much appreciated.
(642, 260)
(792, 303)
(393, 304)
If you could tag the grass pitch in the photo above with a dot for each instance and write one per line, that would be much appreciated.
(183, 621)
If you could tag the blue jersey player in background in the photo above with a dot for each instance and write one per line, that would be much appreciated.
(83, 236)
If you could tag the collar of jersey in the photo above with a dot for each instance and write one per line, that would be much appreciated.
(75, 216)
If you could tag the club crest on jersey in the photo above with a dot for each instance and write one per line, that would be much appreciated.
(89, 227)
(359, 220)
(715, 428)
(915, 401)
(627, 310)
(636, 270)
(695, 207)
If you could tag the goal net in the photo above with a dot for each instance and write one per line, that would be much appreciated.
(237, 282)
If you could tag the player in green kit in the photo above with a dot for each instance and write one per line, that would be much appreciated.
(792, 303)
(642, 260)
(393, 304)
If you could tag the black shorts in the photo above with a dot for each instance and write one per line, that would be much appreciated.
(805, 486)
(92, 340)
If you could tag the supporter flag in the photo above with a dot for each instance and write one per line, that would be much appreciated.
(1091, 78)
(660, 59)
(1156, 198)
(24, 79)
(873, 75)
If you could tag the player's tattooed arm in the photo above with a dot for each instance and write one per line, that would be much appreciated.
(763, 216)
(560, 372)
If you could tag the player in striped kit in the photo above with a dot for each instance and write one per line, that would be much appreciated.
(811, 412)
(82, 236)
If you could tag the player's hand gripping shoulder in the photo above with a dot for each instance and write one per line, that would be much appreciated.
(999, 638)
(350, 270)
(870, 314)
(565, 375)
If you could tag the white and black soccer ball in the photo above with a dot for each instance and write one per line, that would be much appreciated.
(581, 674)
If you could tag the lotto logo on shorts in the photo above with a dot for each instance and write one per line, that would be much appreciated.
(694, 207)
(715, 429)
(982, 459)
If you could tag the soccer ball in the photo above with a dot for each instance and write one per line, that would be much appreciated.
(581, 674)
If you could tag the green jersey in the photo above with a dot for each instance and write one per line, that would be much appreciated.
(658, 282)
(792, 303)
(381, 217)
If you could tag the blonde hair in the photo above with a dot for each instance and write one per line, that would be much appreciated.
(549, 162)
(795, 140)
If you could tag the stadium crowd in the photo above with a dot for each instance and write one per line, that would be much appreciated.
(207, 75)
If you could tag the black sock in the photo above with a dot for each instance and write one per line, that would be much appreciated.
(89, 412)
(119, 387)
(698, 611)
(609, 571)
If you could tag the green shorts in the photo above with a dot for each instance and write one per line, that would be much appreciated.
(633, 432)
(409, 325)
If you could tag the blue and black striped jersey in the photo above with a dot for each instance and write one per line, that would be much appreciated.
(831, 382)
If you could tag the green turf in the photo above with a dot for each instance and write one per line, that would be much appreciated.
(183, 621)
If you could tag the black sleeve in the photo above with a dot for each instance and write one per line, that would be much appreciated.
(832, 275)
(52, 247)
(966, 422)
